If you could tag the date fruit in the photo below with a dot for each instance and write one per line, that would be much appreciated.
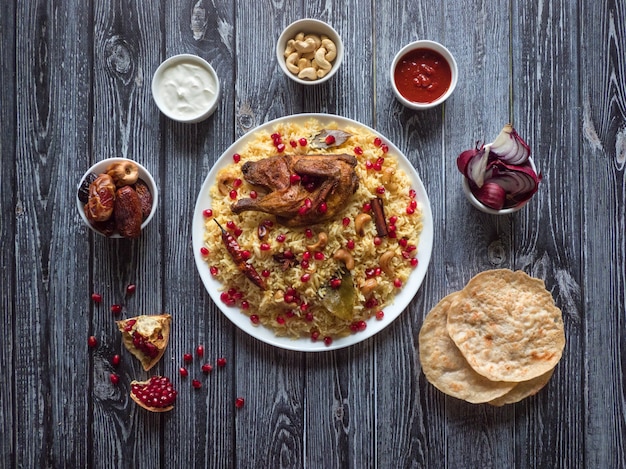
(145, 197)
(127, 212)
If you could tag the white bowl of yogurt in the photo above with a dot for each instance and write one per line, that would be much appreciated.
(186, 88)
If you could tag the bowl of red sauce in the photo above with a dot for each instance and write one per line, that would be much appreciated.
(423, 74)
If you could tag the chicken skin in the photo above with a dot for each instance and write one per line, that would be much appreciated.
(324, 185)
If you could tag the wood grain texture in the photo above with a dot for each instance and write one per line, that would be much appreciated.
(76, 89)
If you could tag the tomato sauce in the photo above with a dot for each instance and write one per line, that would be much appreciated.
(422, 75)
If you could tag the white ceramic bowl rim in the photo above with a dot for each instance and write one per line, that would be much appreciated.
(492, 211)
(196, 60)
(99, 168)
(437, 47)
(309, 25)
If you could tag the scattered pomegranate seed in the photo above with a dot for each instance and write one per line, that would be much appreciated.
(410, 211)
(378, 142)
(200, 350)
(232, 194)
(239, 402)
(369, 165)
(413, 204)
(265, 273)
(207, 368)
(350, 244)
(345, 221)
(403, 242)
(412, 193)
(380, 314)
(231, 225)
(237, 232)
(115, 379)
(293, 143)
(116, 309)
(254, 319)
(204, 251)
(377, 241)
(236, 157)
(323, 208)
(207, 213)
(96, 298)
(371, 303)
(303, 142)
(304, 306)
(294, 179)
(380, 190)
(221, 362)
(183, 372)
(245, 304)
(275, 136)
(253, 194)
(384, 148)
(393, 219)
(196, 384)
(414, 262)
(245, 254)
(280, 147)
(131, 289)
(265, 247)
(358, 150)
(214, 271)
(397, 283)
(335, 282)
(330, 139)
(328, 340)
(305, 278)
(367, 207)
(319, 256)
(92, 341)
(308, 233)
(280, 320)
(314, 335)
(237, 182)
(309, 317)
(115, 361)
(187, 358)
(281, 238)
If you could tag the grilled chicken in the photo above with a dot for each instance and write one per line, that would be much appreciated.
(325, 185)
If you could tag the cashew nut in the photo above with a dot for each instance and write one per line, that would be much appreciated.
(368, 286)
(308, 73)
(388, 173)
(331, 48)
(320, 59)
(346, 257)
(315, 38)
(303, 63)
(359, 223)
(290, 48)
(291, 62)
(385, 262)
(322, 73)
(322, 239)
(305, 46)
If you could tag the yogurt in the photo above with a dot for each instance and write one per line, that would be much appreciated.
(185, 88)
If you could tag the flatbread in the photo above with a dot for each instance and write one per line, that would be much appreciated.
(444, 365)
(523, 390)
(507, 326)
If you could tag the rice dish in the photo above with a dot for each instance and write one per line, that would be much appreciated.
(302, 266)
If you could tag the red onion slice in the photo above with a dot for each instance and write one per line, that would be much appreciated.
(510, 147)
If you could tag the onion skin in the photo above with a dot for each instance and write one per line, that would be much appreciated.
(500, 174)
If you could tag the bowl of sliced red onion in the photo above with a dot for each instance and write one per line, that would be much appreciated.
(499, 177)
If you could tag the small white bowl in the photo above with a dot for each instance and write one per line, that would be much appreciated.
(434, 46)
(483, 208)
(101, 167)
(186, 88)
(309, 26)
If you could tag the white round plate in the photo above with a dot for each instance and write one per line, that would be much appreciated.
(392, 311)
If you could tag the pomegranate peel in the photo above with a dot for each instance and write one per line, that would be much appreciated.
(146, 337)
(156, 394)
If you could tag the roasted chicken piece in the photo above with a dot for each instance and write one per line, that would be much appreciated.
(322, 188)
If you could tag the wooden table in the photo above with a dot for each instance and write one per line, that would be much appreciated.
(76, 89)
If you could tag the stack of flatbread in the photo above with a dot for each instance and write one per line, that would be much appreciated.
(496, 341)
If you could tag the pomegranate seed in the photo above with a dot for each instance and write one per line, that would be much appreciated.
(281, 238)
(412, 193)
(204, 251)
(411, 248)
(200, 350)
(380, 314)
(245, 304)
(265, 273)
(403, 242)
(306, 257)
(302, 142)
(289, 313)
(362, 325)
(232, 194)
(358, 151)
(131, 289)
(115, 379)
(384, 148)
(237, 232)
(414, 262)
(187, 358)
(231, 225)
(207, 368)
(308, 233)
(221, 362)
(392, 233)
(304, 307)
(196, 384)
(305, 278)
(254, 319)
(115, 361)
(350, 244)
(116, 309)
(309, 317)
(236, 157)
(328, 340)
(345, 221)
(314, 335)
(308, 203)
(265, 247)
(183, 372)
(288, 298)
(280, 320)
(371, 303)
(380, 190)
(410, 211)
(413, 204)
(319, 256)
(239, 402)
(253, 194)
(293, 143)
(280, 147)
(92, 341)
(207, 213)
(330, 139)
(397, 283)
(335, 283)
(377, 241)
(275, 136)
(237, 182)
(393, 219)
(288, 254)
(294, 179)
(246, 254)
(369, 165)
(96, 298)
(214, 271)
(367, 207)
(378, 142)
(323, 208)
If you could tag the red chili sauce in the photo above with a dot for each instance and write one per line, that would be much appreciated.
(422, 75)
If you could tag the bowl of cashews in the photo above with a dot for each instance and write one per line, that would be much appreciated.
(309, 51)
